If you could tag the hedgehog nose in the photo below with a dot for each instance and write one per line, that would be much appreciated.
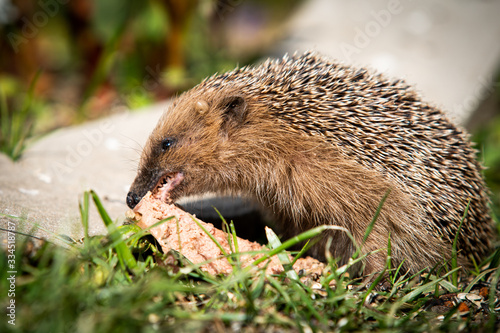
(132, 199)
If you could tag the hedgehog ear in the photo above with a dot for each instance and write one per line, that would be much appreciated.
(201, 107)
(235, 109)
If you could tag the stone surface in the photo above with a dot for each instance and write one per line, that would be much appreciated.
(449, 49)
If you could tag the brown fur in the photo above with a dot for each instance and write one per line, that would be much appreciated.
(320, 143)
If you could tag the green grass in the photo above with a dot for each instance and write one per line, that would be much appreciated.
(123, 283)
(16, 125)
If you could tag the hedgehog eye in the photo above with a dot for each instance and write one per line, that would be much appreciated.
(167, 143)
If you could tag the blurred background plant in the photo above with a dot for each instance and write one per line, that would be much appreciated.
(99, 57)
(487, 139)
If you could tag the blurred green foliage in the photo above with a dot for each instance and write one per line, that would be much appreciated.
(97, 56)
(488, 143)
(16, 125)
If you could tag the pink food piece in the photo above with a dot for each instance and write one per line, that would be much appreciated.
(184, 235)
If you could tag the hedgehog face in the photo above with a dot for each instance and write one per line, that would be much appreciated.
(189, 147)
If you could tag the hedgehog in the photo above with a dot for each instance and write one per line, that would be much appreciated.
(318, 142)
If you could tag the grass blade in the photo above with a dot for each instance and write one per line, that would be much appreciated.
(216, 242)
(235, 242)
(477, 278)
(375, 217)
(454, 253)
(84, 213)
(16, 126)
(371, 287)
(302, 251)
(225, 228)
(426, 287)
(275, 242)
(4, 117)
(125, 256)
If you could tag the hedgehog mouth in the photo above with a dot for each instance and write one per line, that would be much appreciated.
(166, 184)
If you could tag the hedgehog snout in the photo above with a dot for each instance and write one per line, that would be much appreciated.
(132, 199)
